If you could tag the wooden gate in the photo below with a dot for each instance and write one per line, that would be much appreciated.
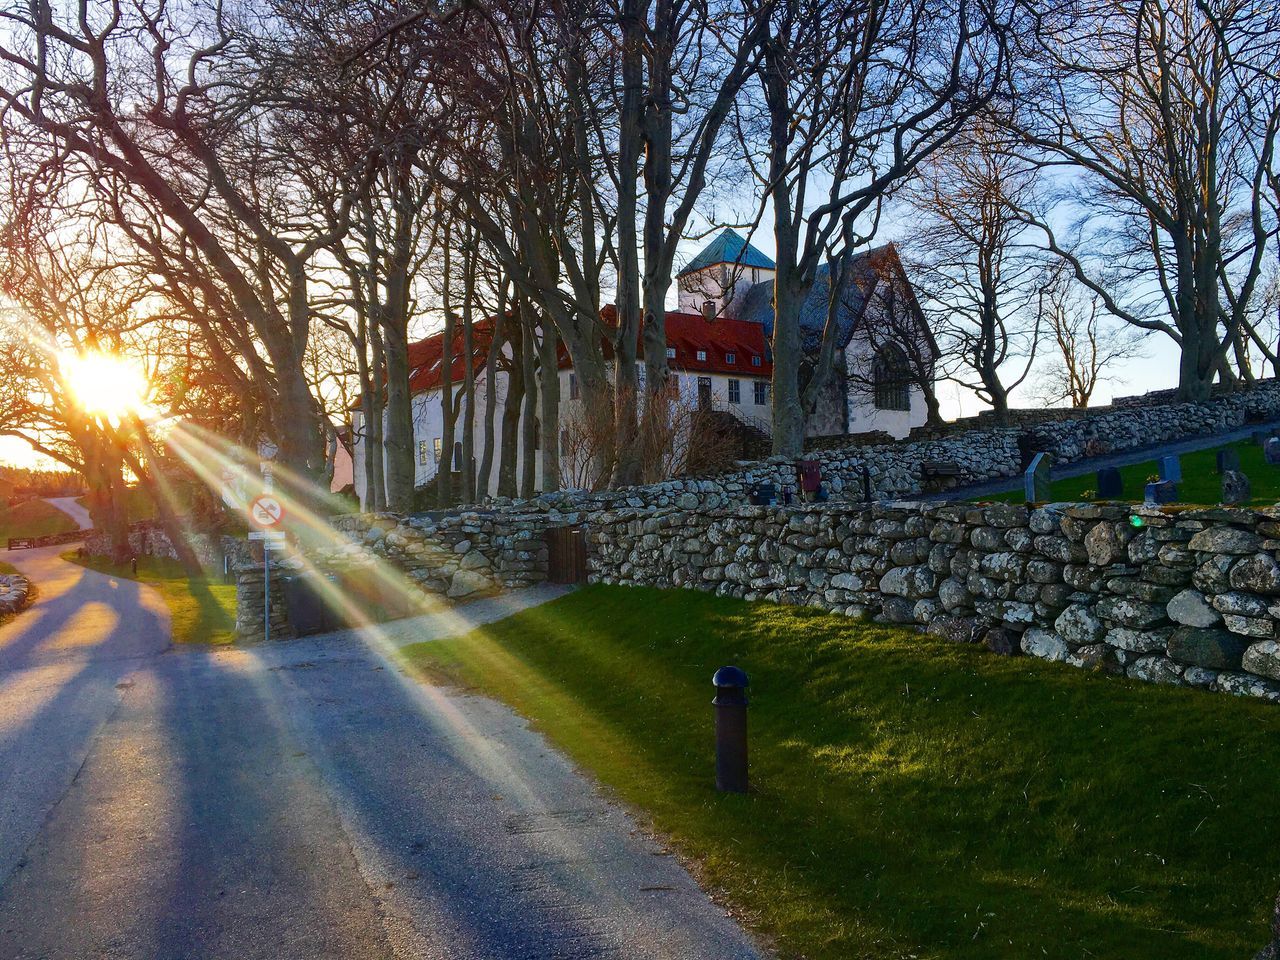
(566, 555)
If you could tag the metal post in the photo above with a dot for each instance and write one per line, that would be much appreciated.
(731, 729)
(266, 593)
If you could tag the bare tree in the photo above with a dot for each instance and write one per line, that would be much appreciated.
(1167, 111)
(853, 96)
(981, 281)
(1088, 348)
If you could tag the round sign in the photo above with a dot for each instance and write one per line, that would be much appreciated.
(266, 511)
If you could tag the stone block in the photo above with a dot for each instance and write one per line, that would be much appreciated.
(1215, 649)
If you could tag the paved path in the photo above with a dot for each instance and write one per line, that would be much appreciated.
(300, 800)
(1092, 464)
(74, 510)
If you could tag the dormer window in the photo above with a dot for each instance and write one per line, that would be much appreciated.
(702, 356)
(730, 358)
(755, 361)
(671, 353)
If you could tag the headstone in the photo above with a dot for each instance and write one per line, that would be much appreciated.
(1235, 487)
(1228, 458)
(1163, 491)
(1035, 481)
(1170, 469)
(1260, 437)
(1271, 450)
(1110, 486)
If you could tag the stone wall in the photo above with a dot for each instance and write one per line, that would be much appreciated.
(458, 556)
(1189, 598)
(15, 592)
(982, 454)
(147, 538)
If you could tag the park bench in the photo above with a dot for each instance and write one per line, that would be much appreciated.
(939, 474)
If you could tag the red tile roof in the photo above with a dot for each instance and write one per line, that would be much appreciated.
(727, 344)
(719, 340)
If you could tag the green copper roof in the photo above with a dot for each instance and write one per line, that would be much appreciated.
(728, 247)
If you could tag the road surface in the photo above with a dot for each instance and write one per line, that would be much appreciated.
(302, 800)
(75, 511)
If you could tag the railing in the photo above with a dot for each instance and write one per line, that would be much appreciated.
(48, 540)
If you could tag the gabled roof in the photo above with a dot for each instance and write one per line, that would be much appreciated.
(728, 345)
(865, 270)
(426, 356)
(728, 247)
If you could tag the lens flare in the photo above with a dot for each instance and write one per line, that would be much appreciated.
(104, 384)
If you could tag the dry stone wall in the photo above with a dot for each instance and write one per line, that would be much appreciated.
(1189, 598)
(15, 592)
(990, 454)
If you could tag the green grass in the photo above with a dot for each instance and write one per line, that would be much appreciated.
(1201, 483)
(911, 798)
(7, 567)
(32, 518)
(201, 609)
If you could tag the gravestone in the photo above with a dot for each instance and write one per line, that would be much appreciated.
(1271, 450)
(1228, 458)
(1235, 487)
(1110, 486)
(1170, 469)
(1162, 491)
(1260, 437)
(1035, 481)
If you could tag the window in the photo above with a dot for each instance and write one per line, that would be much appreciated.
(573, 385)
(564, 443)
(891, 379)
(422, 452)
(755, 361)
(730, 358)
(761, 390)
(735, 390)
(702, 356)
(709, 309)
(671, 353)
(435, 448)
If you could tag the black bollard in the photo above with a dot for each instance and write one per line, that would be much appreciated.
(731, 729)
(133, 562)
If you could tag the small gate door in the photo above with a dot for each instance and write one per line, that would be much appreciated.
(566, 555)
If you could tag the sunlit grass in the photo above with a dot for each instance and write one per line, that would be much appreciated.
(201, 609)
(912, 798)
(32, 518)
(1201, 483)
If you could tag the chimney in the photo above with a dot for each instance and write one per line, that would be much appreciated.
(708, 309)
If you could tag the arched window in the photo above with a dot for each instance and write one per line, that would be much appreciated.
(891, 378)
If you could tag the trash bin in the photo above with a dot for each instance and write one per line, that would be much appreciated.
(306, 600)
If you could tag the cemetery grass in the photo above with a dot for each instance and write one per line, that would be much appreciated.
(7, 567)
(32, 518)
(201, 609)
(910, 797)
(1201, 483)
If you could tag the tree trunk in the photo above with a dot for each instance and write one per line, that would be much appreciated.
(528, 422)
(549, 394)
(491, 398)
(512, 408)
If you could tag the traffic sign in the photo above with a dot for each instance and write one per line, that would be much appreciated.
(266, 511)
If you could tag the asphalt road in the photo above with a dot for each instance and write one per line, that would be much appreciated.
(303, 800)
(74, 510)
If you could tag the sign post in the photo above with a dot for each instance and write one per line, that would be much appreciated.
(266, 513)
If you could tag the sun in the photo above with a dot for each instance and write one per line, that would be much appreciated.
(104, 384)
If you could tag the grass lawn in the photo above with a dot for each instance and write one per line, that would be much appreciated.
(202, 610)
(7, 567)
(911, 797)
(32, 518)
(1201, 483)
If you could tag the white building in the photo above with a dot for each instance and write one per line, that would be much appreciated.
(718, 351)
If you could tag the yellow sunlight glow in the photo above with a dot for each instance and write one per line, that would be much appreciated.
(105, 385)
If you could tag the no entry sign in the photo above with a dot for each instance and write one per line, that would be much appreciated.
(266, 511)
